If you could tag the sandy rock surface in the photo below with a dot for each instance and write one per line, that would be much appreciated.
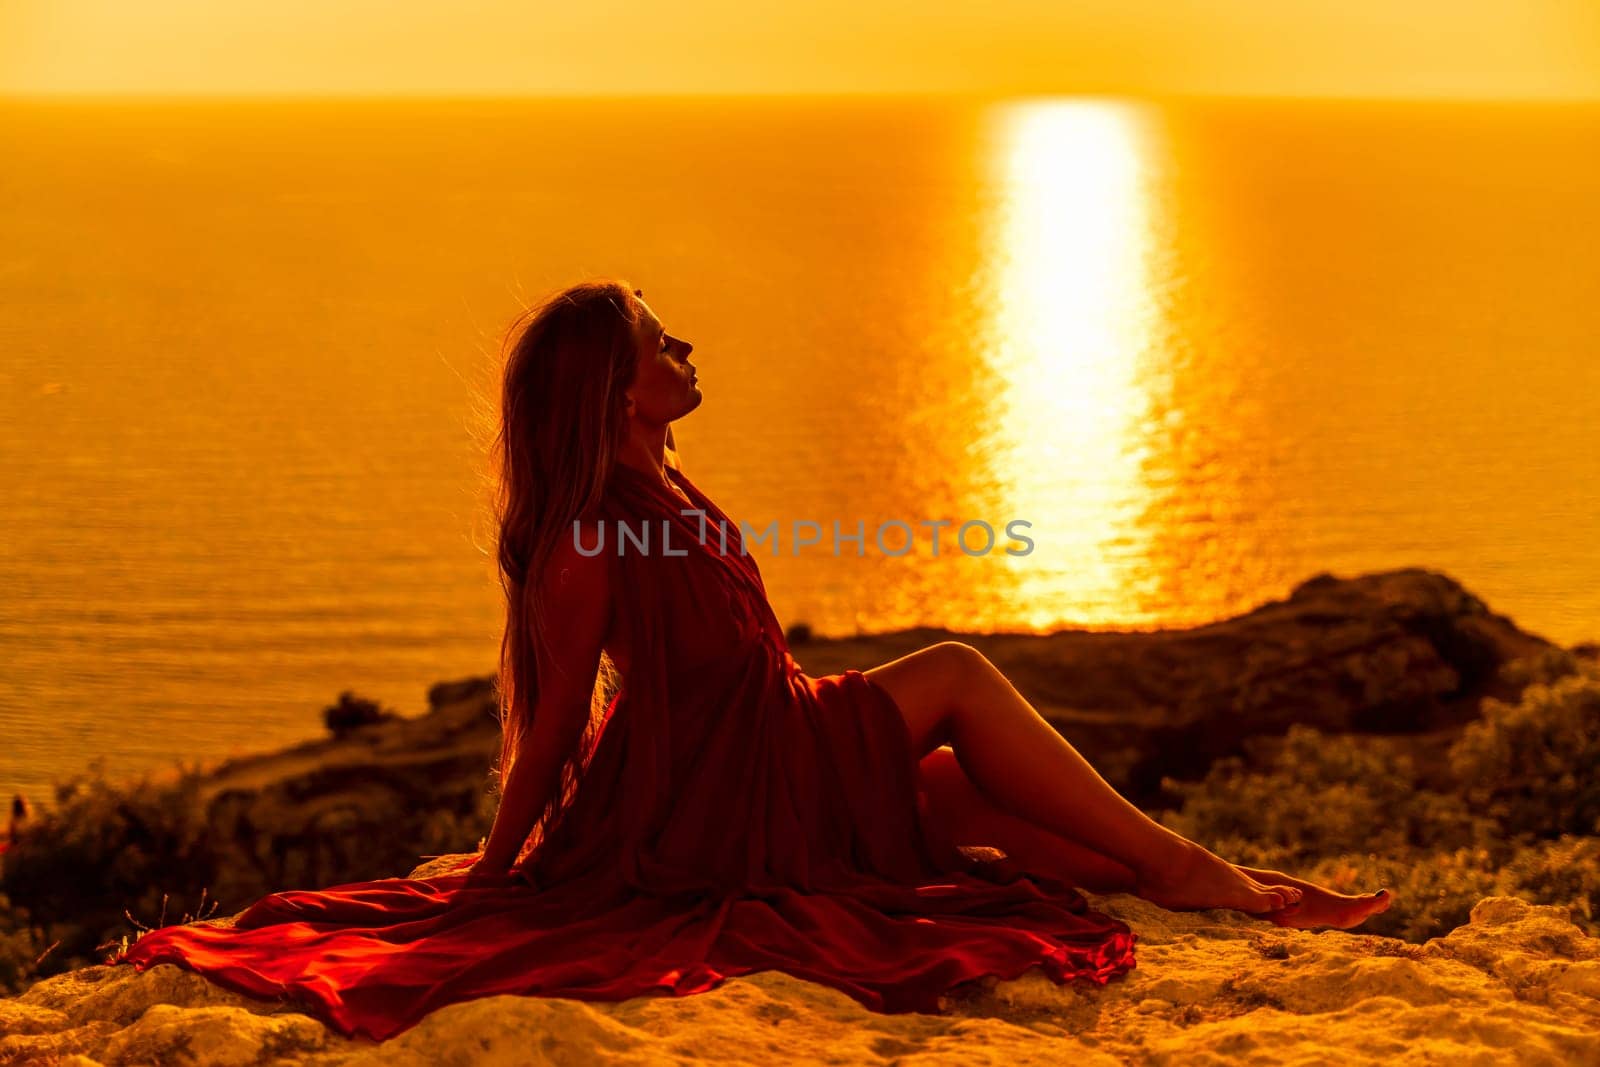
(1518, 985)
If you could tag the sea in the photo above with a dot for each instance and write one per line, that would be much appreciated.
(1194, 352)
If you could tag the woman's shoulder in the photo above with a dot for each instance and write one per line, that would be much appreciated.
(579, 556)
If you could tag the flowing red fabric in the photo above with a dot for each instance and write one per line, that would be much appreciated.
(736, 815)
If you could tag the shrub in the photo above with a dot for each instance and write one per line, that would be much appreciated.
(1320, 795)
(352, 712)
(1434, 892)
(1564, 871)
(22, 947)
(104, 847)
(445, 831)
(1348, 812)
(1532, 766)
(1549, 665)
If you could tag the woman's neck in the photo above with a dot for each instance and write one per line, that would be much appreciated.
(645, 451)
(656, 471)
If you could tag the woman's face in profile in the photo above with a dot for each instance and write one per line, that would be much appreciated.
(663, 386)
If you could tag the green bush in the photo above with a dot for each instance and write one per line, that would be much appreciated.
(1320, 795)
(1550, 665)
(103, 848)
(1531, 766)
(445, 832)
(1349, 812)
(21, 947)
(109, 859)
(1563, 871)
(1433, 891)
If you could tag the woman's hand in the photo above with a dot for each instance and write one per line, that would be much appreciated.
(487, 872)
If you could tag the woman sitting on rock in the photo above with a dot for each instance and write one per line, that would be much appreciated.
(723, 812)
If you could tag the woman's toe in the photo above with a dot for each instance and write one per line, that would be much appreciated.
(1264, 900)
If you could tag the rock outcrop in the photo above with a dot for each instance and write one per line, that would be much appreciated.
(1398, 652)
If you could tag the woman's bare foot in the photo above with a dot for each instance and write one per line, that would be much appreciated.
(1199, 878)
(1319, 905)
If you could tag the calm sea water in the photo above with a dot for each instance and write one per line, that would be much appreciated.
(1206, 350)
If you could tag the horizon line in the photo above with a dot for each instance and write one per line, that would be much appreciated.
(996, 95)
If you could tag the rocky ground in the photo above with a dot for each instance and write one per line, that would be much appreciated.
(1517, 985)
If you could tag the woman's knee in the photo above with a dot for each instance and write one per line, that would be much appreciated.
(961, 659)
(933, 686)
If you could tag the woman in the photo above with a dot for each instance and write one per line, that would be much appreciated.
(723, 812)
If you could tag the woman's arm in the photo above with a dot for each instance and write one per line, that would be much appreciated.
(528, 788)
(578, 603)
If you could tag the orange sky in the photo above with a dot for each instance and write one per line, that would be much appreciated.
(1399, 48)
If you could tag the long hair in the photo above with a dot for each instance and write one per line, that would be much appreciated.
(563, 421)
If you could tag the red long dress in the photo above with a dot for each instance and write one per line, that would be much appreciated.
(736, 815)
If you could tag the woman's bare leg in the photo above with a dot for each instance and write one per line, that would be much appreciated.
(968, 817)
(951, 692)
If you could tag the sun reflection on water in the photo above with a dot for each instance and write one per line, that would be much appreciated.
(1072, 331)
